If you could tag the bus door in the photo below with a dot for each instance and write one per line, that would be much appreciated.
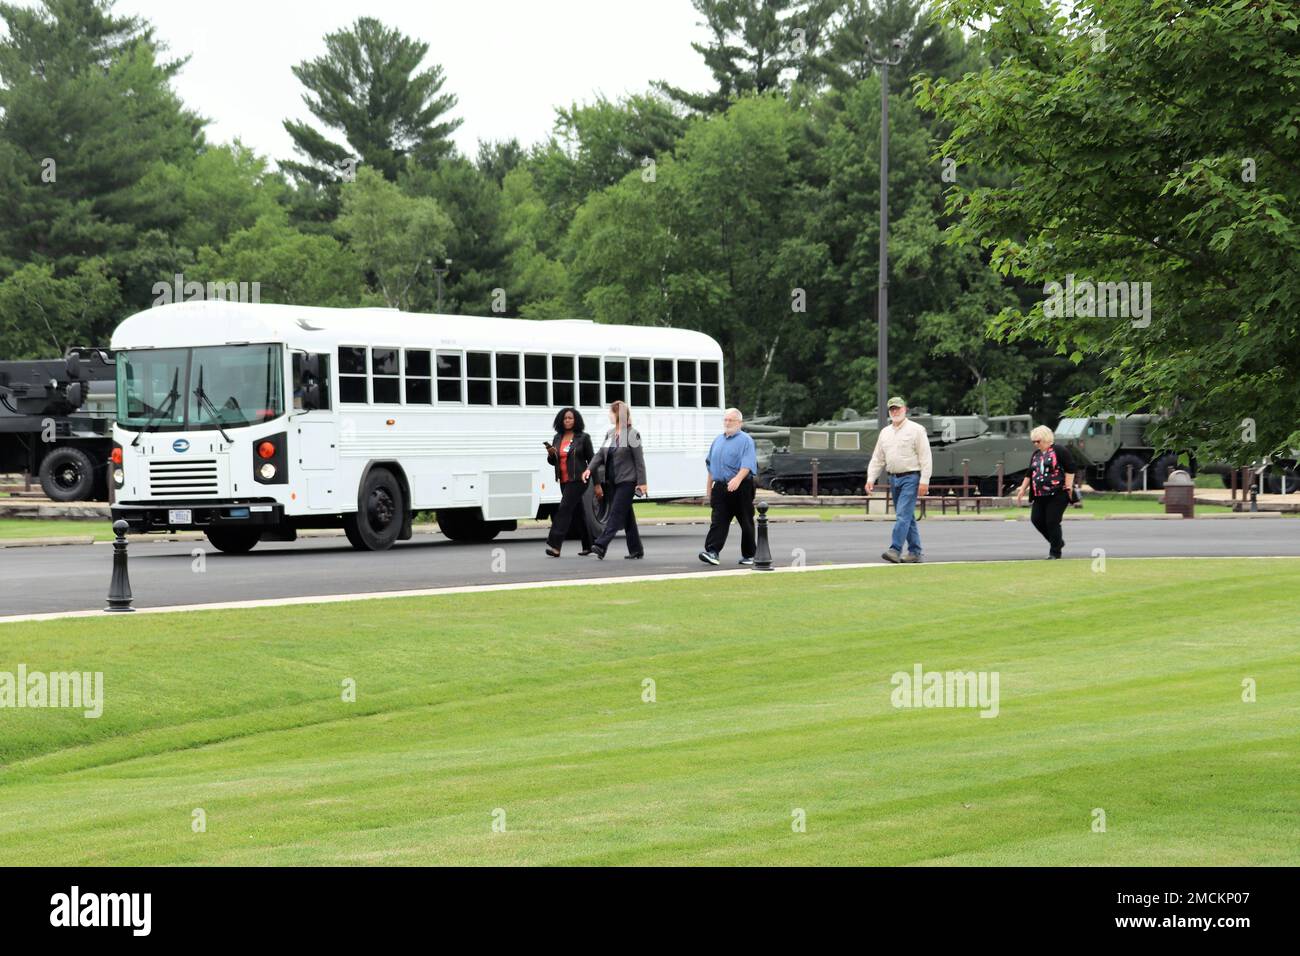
(315, 427)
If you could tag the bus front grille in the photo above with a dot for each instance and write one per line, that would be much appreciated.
(183, 479)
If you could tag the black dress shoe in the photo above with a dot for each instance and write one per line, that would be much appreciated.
(552, 552)
(598, 551)
(584, 552)
(634, 557)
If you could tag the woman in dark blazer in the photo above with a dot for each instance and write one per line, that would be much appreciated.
(1050, 482)
(571, 455)
(624, 463)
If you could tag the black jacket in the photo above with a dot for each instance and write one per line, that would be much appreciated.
(622, 464)
(579, 455)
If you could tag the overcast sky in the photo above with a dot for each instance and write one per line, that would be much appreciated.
(509, 62)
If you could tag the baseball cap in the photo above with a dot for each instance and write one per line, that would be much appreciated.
(897, 402)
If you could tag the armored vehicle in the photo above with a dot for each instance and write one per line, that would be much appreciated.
(768, 437)
(1117, 455)
(962, 447)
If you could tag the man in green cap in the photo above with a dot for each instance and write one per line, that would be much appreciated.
(902, 450)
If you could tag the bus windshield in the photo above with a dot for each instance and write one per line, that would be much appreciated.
(216, 386)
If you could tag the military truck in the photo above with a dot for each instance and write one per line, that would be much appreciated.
(961, 446)
(1107, 453)
(56, 417)
(1117, 455)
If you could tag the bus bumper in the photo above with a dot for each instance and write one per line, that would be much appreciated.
(189, 516)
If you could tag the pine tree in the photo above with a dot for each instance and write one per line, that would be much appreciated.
(85, 111)
(757, 46)
(367, 87)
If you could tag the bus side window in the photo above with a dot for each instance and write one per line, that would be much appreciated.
(710, 396)
(664, 383)
(311, 381)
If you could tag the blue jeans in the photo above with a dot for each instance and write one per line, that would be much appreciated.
(904, 488)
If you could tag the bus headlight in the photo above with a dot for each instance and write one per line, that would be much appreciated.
(270, 456)
(119, 477)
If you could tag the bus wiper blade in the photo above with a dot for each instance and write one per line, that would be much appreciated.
(162, 413)
(206, 402)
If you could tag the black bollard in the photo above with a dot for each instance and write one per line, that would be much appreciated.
(762, 553)
(119, 589)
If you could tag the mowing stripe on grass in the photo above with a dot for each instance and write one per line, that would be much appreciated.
(1122, 702)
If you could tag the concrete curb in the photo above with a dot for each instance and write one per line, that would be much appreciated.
(73, 511)
(46, 542)
(1220, 513)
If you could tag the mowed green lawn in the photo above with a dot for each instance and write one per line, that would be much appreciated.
(16, 529)
(1120, 692)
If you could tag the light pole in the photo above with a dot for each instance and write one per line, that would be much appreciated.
(439, 273)
(882, 299)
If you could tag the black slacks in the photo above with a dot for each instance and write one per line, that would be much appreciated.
(725, 505)
(570, 509)
(621, 518)
(1046, 512)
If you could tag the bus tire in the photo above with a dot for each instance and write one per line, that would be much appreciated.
(233, 540)
(381, 508)
(468, 525)
(67, 474)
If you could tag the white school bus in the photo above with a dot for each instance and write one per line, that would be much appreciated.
(249, 421)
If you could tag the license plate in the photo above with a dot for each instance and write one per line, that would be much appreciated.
(180, 516)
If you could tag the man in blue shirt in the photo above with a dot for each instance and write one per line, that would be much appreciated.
(731, 465)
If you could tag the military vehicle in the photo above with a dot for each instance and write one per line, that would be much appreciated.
(55, 422)
(1117, 456)
(768, 437)
(960, 445)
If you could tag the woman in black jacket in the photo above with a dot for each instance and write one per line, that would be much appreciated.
(570, 454)
(624, 465)
(1051, 484)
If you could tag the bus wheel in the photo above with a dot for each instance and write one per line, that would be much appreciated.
(465, 524)
(234, 540)
(67, 474)
(377, 522)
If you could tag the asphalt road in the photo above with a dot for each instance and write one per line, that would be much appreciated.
(65, 578)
